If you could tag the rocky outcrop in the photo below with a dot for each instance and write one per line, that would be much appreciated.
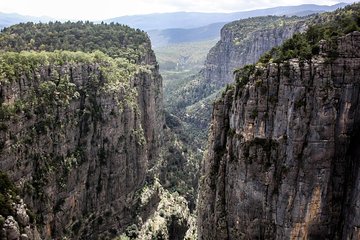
(283, 158)
(19, 226)
(78, 135)
(169, 218)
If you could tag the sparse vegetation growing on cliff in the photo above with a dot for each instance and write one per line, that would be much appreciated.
(58, 90)
(7, 195)
(328, 27)
(242, 75)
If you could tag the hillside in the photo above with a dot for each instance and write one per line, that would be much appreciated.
(178, 62)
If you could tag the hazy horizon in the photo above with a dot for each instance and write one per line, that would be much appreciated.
(106, 9)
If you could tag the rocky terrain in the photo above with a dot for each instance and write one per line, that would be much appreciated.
(282, 161)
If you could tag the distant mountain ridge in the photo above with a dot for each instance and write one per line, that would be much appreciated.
(162, 21)
(163, 37)
(8, 19)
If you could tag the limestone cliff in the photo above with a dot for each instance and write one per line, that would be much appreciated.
(79, 132)
(243, 42)
(283, 158)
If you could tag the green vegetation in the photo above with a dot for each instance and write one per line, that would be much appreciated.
(59, 89)
(7, 195)
(183, 57)
(328, 27)
(241, 29)
(48, 53)
(53, 90)
(179, 172)
(113, 39)
(171, 217)
(242, 75)
(179, 67)
(303, 46)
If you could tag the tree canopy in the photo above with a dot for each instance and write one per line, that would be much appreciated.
(115, 40)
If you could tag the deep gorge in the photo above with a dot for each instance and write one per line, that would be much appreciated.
(89, 151)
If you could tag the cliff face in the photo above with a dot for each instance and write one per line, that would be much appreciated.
(78, 136)
(283, 157)
(239, 46)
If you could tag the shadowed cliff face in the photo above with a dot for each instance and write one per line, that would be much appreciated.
(78, 139)
(282, 161)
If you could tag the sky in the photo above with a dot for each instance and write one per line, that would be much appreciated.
(105, 9)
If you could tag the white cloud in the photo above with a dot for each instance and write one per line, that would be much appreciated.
(96, 10)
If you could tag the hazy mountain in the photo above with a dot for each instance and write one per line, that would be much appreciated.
(165, 37)
(196, 19)
(7, 19)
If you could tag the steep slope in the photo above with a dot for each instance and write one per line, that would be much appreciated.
(16, 219)
(79, 131)
(283, 159)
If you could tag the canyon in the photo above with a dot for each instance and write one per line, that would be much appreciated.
(89, 150)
